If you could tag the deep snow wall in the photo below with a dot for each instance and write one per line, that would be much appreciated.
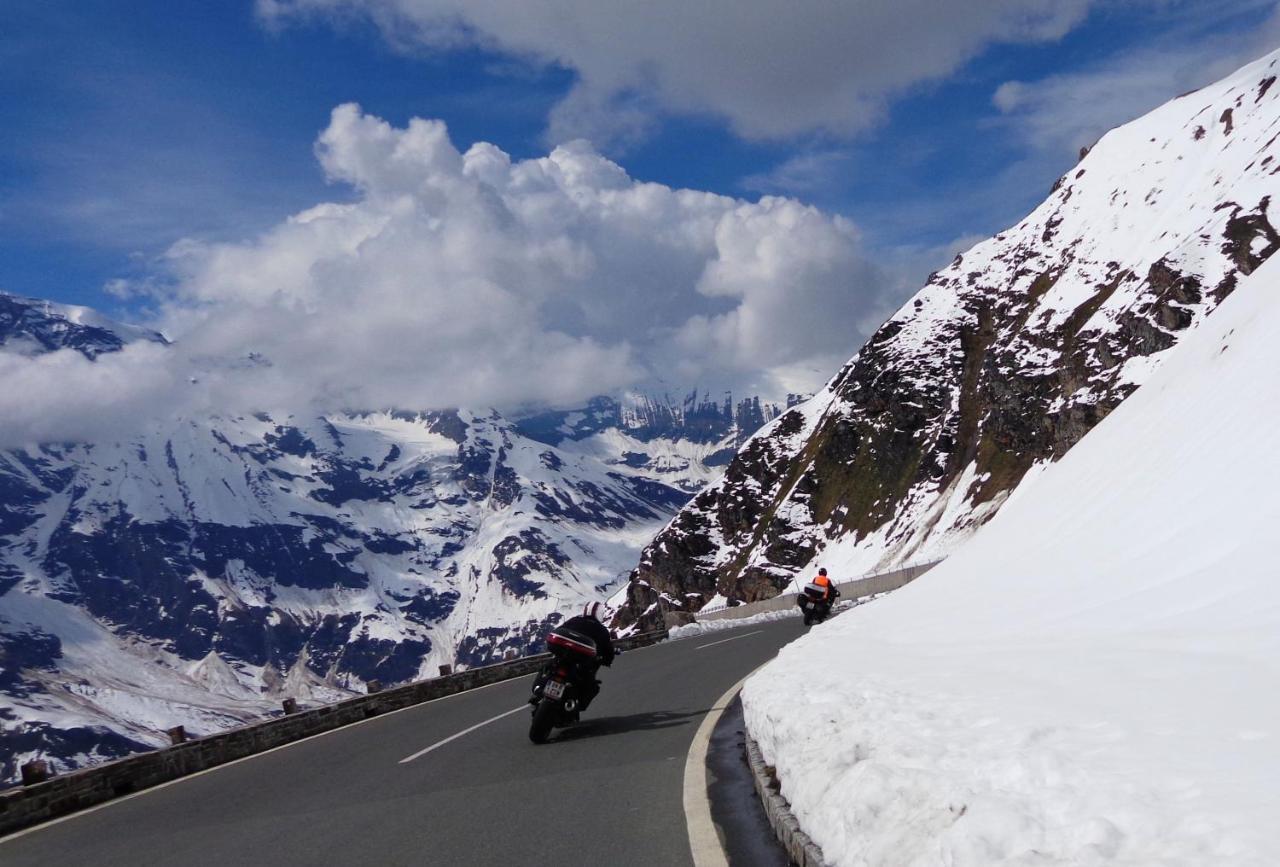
(1092, 679)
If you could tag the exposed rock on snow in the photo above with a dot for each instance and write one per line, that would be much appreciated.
(31, 326)
(1002, 362)
(202, 571)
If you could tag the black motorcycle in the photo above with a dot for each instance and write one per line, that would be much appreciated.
(565, 684)
(814, 604)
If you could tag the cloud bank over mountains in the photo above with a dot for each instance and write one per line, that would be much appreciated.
(440, 276)
(466, 278)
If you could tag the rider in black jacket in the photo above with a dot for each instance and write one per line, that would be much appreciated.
(588, 623)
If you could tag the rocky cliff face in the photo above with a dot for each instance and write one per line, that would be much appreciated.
(203, 570)
(1002, 362)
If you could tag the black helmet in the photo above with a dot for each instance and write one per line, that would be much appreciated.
(822, 571)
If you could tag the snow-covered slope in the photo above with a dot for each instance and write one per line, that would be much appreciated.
(1001, 363)
(200, 572)
(254, 558)
(1093, 678)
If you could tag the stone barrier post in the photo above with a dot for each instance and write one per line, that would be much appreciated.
(35, 771)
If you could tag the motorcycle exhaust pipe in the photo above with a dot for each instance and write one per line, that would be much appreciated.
(570, 704)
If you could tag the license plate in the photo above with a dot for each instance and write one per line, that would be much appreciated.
(553, 690)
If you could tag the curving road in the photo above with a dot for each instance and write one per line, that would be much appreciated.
(452, 781)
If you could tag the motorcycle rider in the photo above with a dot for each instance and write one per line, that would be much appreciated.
(589, 624)
(817, 608)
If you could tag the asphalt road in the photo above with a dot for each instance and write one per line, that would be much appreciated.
(606, 791)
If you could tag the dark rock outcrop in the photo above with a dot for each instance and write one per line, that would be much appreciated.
(1003, 361)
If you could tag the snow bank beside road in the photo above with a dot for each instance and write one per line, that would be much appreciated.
(693, 630)
(1093, 679)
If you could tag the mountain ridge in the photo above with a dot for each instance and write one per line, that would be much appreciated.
(200, 571)
(1003, 361)
(35, 326)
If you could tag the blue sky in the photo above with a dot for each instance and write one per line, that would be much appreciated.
(131, 125)
(420, 204)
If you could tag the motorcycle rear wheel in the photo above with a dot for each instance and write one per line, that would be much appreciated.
(544, 718)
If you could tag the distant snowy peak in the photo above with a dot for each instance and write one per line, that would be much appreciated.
(203, 569)
(32, 327)
(696, 417)
(1004, 360)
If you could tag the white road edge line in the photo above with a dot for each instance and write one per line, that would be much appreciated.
(723, 640)
(438, 744)
(704, 841)
(105, 804)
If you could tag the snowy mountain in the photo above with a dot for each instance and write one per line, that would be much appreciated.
(199, 572)
(30, 326)
(999, 365)
(1091, 679)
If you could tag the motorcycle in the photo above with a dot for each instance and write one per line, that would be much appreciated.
(566, 682)
(814, 604)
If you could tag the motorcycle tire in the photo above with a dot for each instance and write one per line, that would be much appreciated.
(808, 618)
(544, 718)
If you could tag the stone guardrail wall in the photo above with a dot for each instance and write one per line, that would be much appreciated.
(857, 589)
(799, 846)
(58, 796)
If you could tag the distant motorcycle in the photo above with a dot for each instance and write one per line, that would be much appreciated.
(814, 603)
(567, 678)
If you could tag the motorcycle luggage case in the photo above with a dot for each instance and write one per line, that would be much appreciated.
(815, 591)
(573, 642)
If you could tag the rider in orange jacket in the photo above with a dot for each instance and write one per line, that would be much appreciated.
(823, 581)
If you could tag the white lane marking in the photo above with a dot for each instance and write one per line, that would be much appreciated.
(438, 744)
(121, 799)
(723, 640)
(105, 804)
(704, 841)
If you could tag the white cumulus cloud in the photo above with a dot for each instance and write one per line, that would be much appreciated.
(459, 278)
